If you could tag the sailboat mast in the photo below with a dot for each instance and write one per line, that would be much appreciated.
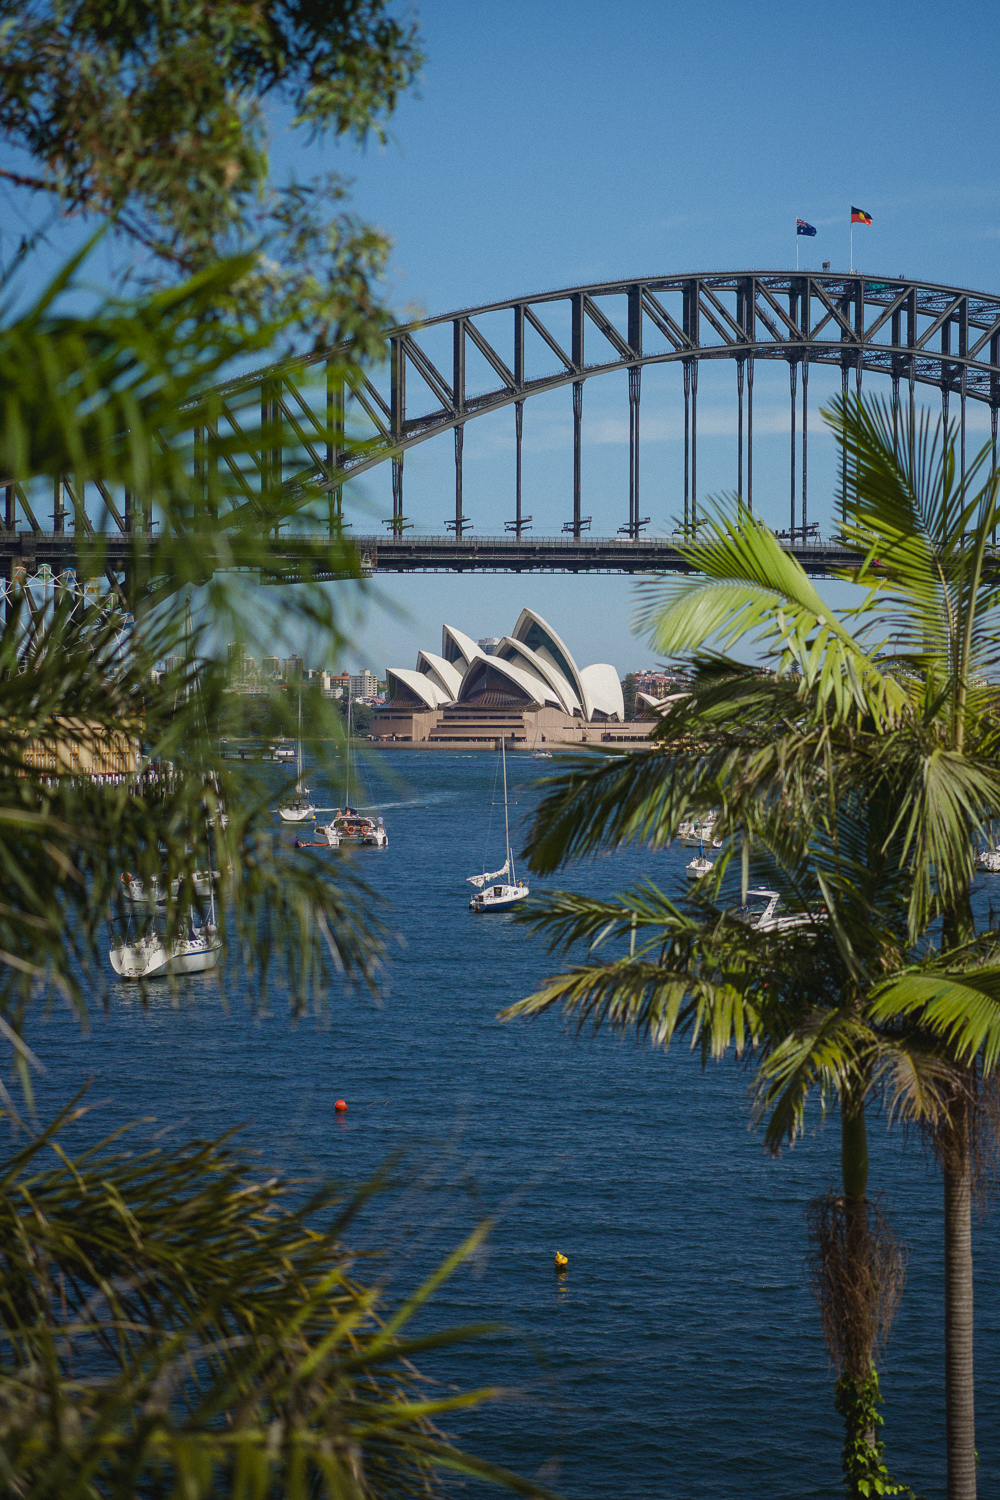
(298, 758)
(506, 825)
(347, 792)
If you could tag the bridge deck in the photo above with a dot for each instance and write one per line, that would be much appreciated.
(433, 554)
(563, 554)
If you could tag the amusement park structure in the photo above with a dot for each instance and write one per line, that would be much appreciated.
(445, 371)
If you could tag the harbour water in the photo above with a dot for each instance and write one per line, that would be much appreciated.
(679, 1358)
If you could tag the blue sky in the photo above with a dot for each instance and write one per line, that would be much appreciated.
(553, 143)
(558, 143)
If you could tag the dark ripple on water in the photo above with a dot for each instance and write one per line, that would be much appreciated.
(680, 1355)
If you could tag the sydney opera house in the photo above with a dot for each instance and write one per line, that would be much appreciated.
(527, 687)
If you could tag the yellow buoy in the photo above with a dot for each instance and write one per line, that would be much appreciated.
(562, 1261)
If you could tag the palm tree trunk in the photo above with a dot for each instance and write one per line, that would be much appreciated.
(960, 1411)
(853, 1388)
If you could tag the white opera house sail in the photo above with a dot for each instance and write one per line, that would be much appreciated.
(526, 686)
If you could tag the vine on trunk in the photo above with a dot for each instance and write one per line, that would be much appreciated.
(863, 1455)
(857, 1269)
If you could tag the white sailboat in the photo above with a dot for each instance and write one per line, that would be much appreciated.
(699, 866)
(151, 956)
(694, 832)
(299, 809)
(500, 889)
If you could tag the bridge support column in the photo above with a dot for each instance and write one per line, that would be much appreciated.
(459, 513)
(577, 475)
(793, 386)
(993, 430)
(335, 424)
(739, 429)
(750, 433)
(895, 412)
(845, 378)
(694, 445)
(805, 445)
(634, 391)
(58, 506)
(518, 435)
(687, 445)
(397, 496)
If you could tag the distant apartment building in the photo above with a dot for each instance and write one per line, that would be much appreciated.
(291, 668)
(488, 645)
(364, 684)
(270, 668)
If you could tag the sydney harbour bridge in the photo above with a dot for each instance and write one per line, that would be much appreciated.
(290, 420)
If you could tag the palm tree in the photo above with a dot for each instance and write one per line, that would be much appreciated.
(889, 706)
(168, 1322)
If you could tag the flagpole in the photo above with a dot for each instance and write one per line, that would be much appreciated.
(852, 244)
(796, 244)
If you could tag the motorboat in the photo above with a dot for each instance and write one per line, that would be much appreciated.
(282, 752)
(989, 860)
(499, 890)
(760, 911)
(351, 827)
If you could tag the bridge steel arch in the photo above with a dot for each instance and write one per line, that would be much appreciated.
(916, 333)
(503, 354)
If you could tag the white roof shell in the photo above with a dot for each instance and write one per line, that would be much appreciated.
(459, 649)
(442, 673)
(536, 691)
(520, 655)
(605, 691)
(421, 686)
(535, 632)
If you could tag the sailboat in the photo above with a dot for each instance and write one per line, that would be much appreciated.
(300, 808)
(495, 891)
(151, 956)
(349, 826)
(699, 866)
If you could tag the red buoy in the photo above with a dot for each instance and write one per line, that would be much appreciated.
(340, 1106)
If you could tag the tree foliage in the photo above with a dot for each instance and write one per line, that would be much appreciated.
(157, 117)
(173, 1322)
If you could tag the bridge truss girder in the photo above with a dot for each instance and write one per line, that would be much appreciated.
(506, 353)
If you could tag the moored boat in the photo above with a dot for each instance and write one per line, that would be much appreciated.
(494, 893)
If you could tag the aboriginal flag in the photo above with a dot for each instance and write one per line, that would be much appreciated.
(858, 216)
(801, 227)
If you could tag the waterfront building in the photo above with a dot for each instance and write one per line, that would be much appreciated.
(363, 684)
(526, 688)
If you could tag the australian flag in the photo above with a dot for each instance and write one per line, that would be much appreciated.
(801, 227)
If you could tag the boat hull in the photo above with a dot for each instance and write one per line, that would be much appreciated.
(295, 814)
(498, 898)
(153, 959)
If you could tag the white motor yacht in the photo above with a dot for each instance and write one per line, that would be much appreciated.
(760, 911)
(989, 860)
(352, 827)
